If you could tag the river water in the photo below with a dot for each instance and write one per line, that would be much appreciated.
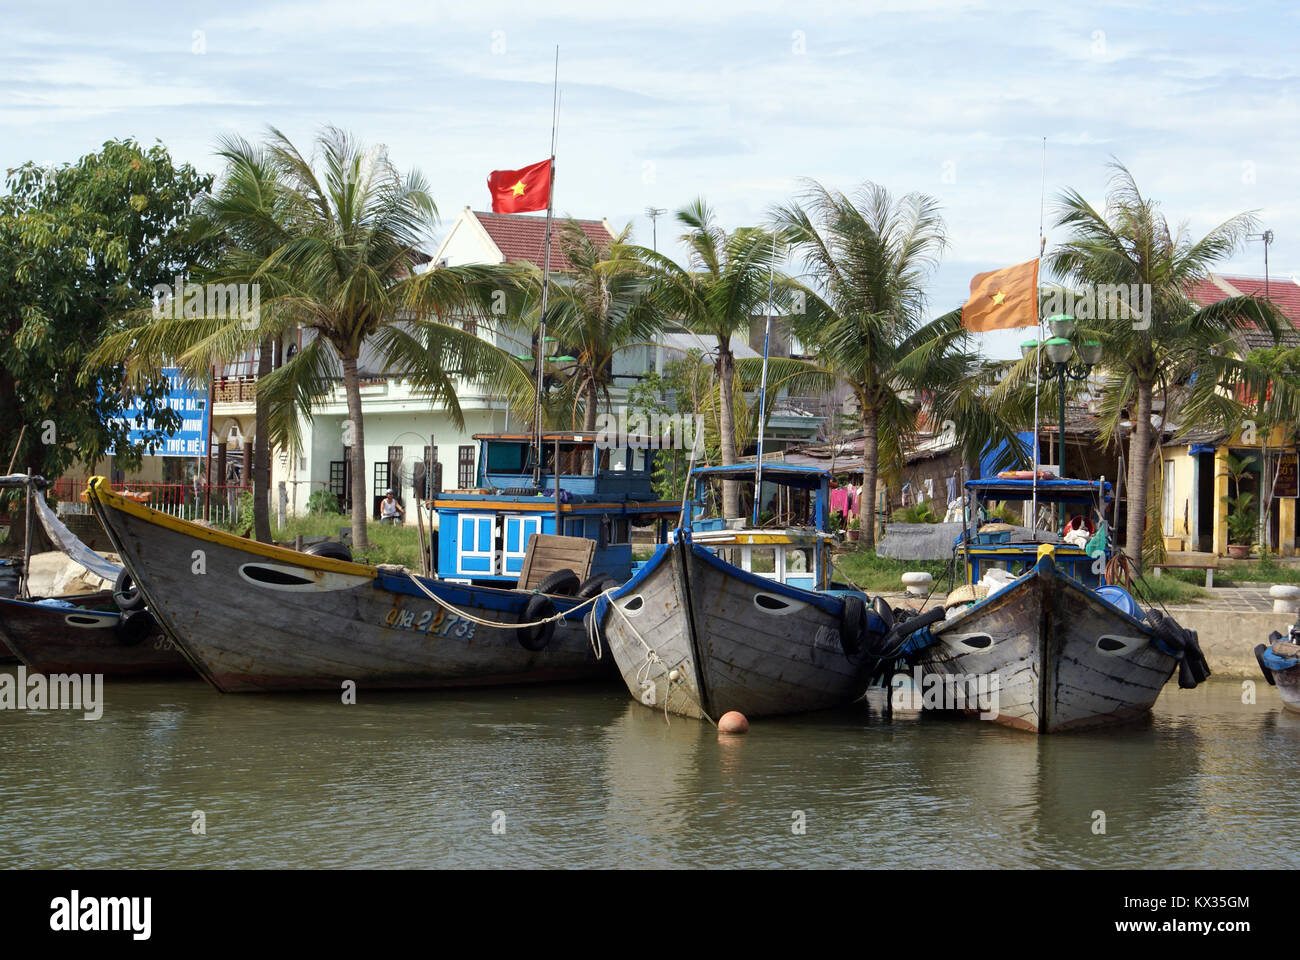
(581, 776)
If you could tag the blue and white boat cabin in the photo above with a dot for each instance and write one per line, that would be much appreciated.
(1017, 554)
(483, 532)
(790, 544)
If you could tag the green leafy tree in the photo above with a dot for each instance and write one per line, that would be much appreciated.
(80, 244)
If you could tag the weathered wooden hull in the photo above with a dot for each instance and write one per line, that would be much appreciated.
(261, 618)
(1288, 687)
(646, 624)
(689, 612)
(86, 639)
(1061, 657)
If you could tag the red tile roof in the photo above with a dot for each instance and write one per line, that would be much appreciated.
(522, 238)
(1282, 291)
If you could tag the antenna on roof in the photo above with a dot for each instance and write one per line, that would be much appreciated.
(654, 213)
(1267, 237)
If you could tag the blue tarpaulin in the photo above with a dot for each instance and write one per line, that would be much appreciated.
(1003, 457)
(1274, 662)
(1049, 491)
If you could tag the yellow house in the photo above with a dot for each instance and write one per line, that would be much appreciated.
(1196, 486)
(1195, 480)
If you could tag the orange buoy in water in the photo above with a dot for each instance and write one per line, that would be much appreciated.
(733, 721)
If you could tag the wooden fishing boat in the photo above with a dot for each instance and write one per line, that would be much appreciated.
(89, 634)
(1279, 661)
(94, 632)
(1055, 647)
(728, 617)
(254, 617)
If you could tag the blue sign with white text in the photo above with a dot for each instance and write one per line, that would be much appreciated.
(191, 404)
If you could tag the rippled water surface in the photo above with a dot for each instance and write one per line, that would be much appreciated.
(579, 775)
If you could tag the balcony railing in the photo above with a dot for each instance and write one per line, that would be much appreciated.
(234, 390)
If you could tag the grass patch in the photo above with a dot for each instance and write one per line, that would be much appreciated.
(1267, 570)
(876, 574)
(1234, 573)
(389, 543)
(1170, 589)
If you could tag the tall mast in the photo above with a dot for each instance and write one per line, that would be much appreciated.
(762, 389)
(546, 284)
(1038, 357)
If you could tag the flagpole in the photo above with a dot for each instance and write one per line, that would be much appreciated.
(762, 390)
(546, 284)
(1038, 360)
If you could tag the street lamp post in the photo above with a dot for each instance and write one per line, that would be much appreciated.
(1061, 354)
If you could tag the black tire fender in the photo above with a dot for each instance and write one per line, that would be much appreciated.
(330, 550)
(1259, 658)
(126, 594)
(853, 619)
(134, 626)
(536, 638)
(596, 584)
(562, 583)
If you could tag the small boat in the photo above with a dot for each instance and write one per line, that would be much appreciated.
(104, 631)
(253, 617)
(87, 633)
(1039, 638)
(729, 616)
(1279, 661)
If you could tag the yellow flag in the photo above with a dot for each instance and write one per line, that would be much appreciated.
(1001, 299)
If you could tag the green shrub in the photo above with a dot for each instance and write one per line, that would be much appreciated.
(916, 513)
(323, 502)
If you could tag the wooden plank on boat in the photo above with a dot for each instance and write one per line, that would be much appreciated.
(548, 552)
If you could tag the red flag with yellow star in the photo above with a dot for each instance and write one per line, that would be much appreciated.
(518, 191)
(1001, 299)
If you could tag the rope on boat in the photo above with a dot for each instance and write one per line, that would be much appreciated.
(592, 634)
(651, 659)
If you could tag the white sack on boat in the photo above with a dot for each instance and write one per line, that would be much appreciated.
(67, 541)
(997, 579)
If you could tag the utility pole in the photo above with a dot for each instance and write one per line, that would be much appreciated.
(654, 213)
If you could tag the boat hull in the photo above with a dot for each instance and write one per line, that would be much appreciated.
(1288, 687)
(86, 638)
(259, 618)
(736, 641)
(1059, 657)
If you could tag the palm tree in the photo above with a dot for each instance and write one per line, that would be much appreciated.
(343, 235)
(1176, 342)
(596, 311)
(247, 216)
(723, 286)
(868, 258)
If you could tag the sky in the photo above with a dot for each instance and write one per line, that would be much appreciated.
(666, 101)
